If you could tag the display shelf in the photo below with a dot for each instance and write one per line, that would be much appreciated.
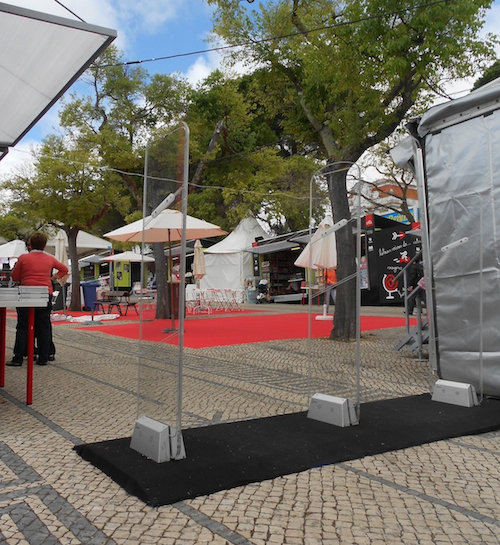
(281, 272)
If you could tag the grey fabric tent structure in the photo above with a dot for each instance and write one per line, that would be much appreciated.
(454, 149)
(41, 56)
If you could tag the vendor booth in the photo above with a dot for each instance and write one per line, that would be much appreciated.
(275, 261)
(387, 246)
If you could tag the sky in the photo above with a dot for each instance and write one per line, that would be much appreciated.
(146, 29)
(149, 29)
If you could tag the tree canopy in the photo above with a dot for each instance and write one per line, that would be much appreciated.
(251, 168)
(67, 190)
(343, 74)
(491, 73)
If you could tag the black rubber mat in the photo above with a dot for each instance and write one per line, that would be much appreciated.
(225, 456)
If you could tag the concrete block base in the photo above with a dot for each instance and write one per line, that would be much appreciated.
(151, 439)
(455, 393)
(332, 410)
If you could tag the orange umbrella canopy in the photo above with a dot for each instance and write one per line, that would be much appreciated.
(166, 226)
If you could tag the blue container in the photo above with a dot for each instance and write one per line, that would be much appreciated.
(89, 293)
(252, 295)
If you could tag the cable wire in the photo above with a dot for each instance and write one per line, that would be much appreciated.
(282, 37)
(67, 9)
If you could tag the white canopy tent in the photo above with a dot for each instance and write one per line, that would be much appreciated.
(227, 263)
(11, 249)
(85, 243)
(41, 56)
(129, 257)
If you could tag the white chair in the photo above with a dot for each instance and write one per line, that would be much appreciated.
(191, 297)
(55, 295)
(145, 297)
(230, 298)
(219, 301)
(202, 303)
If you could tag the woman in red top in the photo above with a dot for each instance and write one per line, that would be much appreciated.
(35, 269)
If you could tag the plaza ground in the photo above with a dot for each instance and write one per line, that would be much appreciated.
(438, 493)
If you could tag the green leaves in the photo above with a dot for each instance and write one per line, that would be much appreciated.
(356, 67)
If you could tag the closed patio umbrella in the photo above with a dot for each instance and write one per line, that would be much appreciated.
(199, 270)
(320, 253)
(60, 251)
(321, 250)
(61, 255)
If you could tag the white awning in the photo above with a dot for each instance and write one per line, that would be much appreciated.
(41, 56)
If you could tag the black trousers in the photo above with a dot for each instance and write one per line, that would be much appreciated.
(43, 332)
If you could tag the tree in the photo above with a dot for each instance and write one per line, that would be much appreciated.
(491, 73)
(67, 190)
(342, 76)
(14, 226)
(249, 168)
(393, 188)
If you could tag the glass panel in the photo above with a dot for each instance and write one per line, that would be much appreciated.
(160, 367)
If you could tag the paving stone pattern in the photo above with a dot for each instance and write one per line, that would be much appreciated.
(441, 493)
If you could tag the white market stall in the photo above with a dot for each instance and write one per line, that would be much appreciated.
(227, 263)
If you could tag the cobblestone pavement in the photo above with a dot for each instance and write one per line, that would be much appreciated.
(441, 493)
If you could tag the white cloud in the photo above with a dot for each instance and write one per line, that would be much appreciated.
(149, 15)
(202, 67)
(97, 12)
(493, 20)
(17, 157)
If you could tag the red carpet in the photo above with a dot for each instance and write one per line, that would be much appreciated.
(239, 329)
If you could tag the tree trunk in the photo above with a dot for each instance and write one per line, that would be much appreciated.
(162, 286)
(344, 325)
(76, 302)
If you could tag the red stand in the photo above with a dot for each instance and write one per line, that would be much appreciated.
(31, 350)
(3, 339)
(31, 355)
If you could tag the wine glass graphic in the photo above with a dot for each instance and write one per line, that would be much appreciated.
(390, 285)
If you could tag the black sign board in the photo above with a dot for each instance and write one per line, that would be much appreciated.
(388, 252)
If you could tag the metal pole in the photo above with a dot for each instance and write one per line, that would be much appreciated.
(143, 246)
(308, 291)
(358, 299)
(481, 301)
(358, 287)
(426, 254)
(405, 287)
(178, 451)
